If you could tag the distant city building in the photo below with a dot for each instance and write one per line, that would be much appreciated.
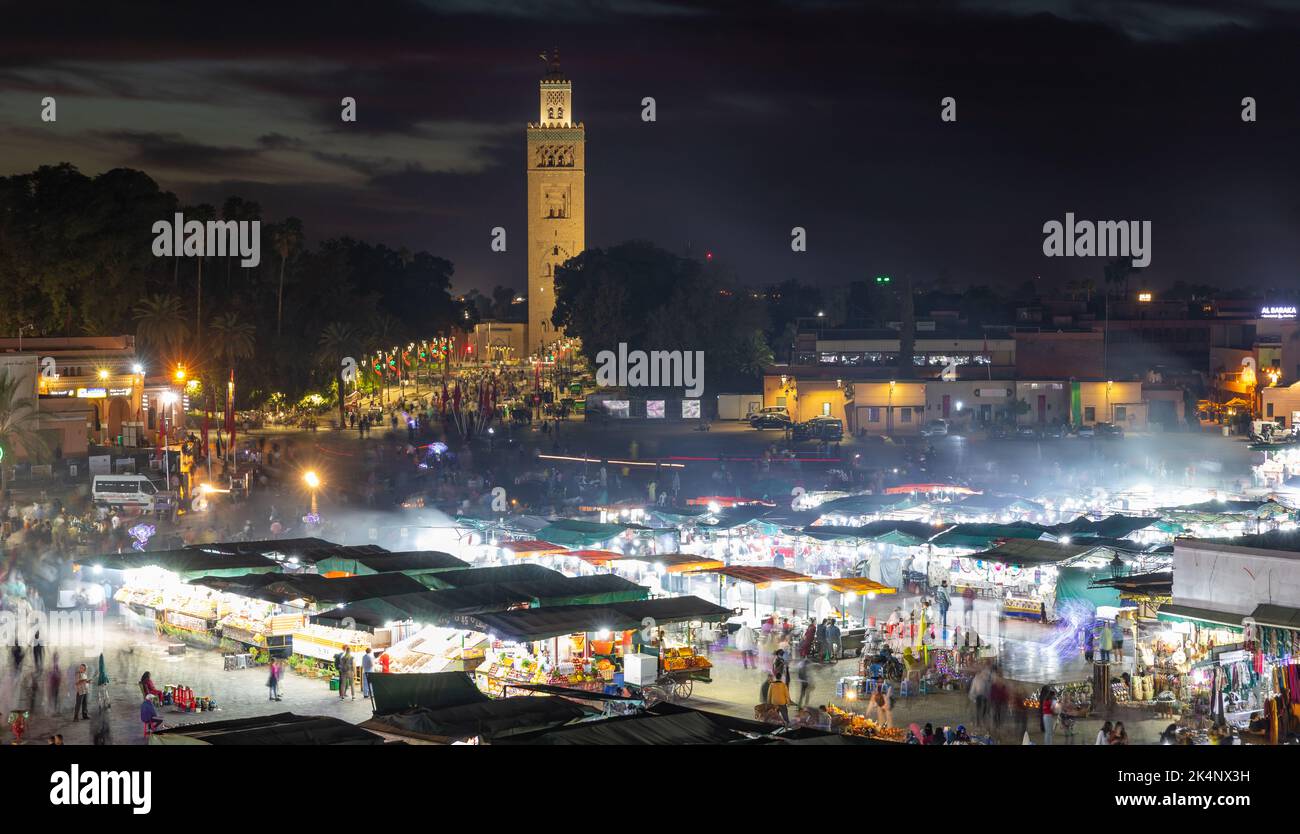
(498, 341)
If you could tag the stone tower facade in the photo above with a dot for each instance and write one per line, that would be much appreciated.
(557, 158)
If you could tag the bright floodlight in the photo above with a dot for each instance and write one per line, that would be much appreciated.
(169, 398)
(103, 374)
(137, 369)
(311, 479)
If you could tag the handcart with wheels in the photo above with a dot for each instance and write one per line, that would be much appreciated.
(668, 678)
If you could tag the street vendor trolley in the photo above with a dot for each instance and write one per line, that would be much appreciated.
(668, 678)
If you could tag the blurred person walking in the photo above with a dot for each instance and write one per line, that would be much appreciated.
(55, 683)
(945, 602)
(778, 690)
(1050, 708)
(968, 605)
(980, 686)
(273, 679)
(747, 643)
(805, 681)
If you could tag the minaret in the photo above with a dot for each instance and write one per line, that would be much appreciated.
(556, 203)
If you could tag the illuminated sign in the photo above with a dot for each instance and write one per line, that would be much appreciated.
(91, 393)
(1278, 311)
(119, 392)
(64, 392)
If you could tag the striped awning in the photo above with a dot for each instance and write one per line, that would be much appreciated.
(1177, 613)
(532, 547)
(856, 585)
(760, 576)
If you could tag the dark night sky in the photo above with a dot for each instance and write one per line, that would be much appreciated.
(771, 115)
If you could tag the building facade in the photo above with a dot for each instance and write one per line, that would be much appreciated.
(556, 173)
(88, 389)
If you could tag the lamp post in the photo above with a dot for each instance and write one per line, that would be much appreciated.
(169, 400)
(312, 480)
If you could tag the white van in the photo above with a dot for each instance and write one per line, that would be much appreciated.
(124, 491)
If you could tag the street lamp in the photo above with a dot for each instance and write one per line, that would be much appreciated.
(312, 480)
(168, 400)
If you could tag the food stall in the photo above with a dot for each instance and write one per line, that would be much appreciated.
(555, 663)
(585, 646)
(438, 649)
(855, 724)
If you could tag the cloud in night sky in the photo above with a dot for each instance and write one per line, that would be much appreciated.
(771, 115)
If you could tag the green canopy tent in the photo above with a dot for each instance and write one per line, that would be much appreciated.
(414, 563)
(1074, 584)
(574, 534)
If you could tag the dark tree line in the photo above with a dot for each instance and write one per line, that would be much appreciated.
(76, 258)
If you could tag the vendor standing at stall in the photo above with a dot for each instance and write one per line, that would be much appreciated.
(367, 666)
(778, 691)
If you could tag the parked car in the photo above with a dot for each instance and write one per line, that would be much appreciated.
(820, 428)
(1110, 431)
(1054, 431)
(999, 431)
(935, 428)
(1027, 432)
(773, 417)
(1085, 432)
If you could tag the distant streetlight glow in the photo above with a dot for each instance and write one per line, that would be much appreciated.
(311, 479)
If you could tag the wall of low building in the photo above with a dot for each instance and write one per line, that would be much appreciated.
(1120, 403)
(1234, 579)
(889, 407)
(1048, 401)
(1059, 355)
(1281, 404)
(1165, 406)
(965, 402)
(806, 398)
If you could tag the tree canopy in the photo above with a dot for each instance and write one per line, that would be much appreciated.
(651, 299)
(76, 258)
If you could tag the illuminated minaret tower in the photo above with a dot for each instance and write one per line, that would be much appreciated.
(556, 204)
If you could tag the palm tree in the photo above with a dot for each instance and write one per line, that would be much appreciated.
(202, 213)
(18, 424)
(231, 338)
(338, 340)
(160, 322)
(287, 237)
(383, 331)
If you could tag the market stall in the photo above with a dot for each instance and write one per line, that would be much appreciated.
(584, 646)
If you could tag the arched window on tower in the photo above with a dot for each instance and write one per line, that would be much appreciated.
(560, 113)
(550, 113)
